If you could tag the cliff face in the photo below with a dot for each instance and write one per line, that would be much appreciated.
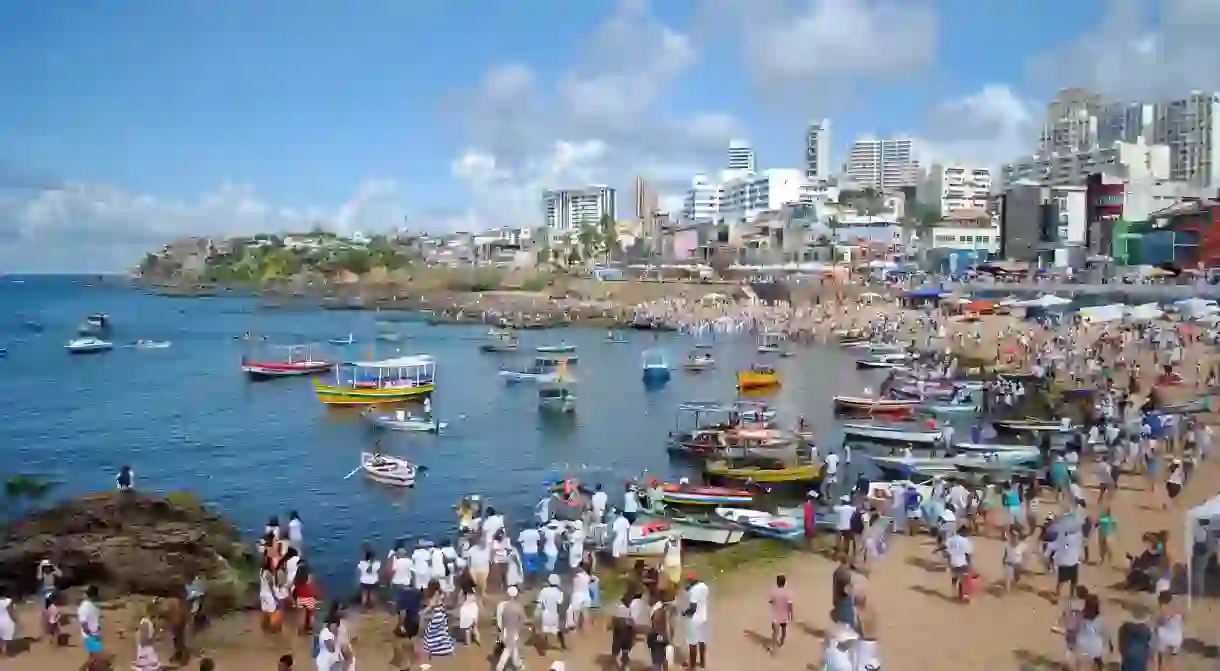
(128, 544)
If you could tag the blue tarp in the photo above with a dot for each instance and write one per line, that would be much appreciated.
(924, 293)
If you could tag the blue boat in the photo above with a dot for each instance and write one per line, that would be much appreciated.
(346, 340)
(656, 366)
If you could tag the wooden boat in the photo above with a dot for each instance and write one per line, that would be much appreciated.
(499, 341)
(762, 523)
(299, 361)
(616, 337)
(705, 529)
(562, 348)
(545, 369)
(698, 495)
(1029, 425)
(556, 397)
(724, 469)
(876, 406)
(992, 448)
(649, 539)
(654, 367)
(949, 464)
(891, 433)
(374, 382)
(88, 345)
(402, 421)
(151, 344)
(759, 376)
(949, 408)
(388, 470)
(699, 361)
(345, 340)
(896, 360)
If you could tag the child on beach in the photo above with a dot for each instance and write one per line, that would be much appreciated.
(1014, 555)
(1105, 530)
(51, 618)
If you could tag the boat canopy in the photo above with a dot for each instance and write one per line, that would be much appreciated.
(417, 361)
(705, 406)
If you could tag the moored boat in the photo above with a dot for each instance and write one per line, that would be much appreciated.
(344, 340)
(991, 448)
(562, 348)
(97, 324)
(1029, 425)
(949, 408)
(298, 361)
(499, 341)
(891, 433)
(699, 361)
(762, 474)
(760, 376)
(769, 343)
(88, 345)
(655, 367)
(650, 538)
(401, 420)
(151, 344)
(616, 337)
(374, 382)
(762, 523)
(388, 470)
(697, 528)
(544, 369)
(698, 495)
(876, 406)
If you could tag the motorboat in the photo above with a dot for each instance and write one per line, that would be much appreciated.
(699, 361)
(941, 465)
(655, 367)
(894, 360)
(401, 420)
(556, 397)
(891, 433)
(345, 340)
(388, 470)
(991, 448)
(499, 342)
(562, 348)
(151, 344)
(536, 373)
(760, 376)
(88, 345)
(697, 528)
(616, 337)
(762, 523)
(1030, 425)
(769, 343)
(683, 494)
(875, 406)
(651, 538)
(361, 383)
(96, 324)
(967, 408)
(299, 361)
(726, 469)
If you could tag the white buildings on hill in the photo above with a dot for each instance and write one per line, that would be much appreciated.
(1134, 161)
(702, 201)
(954, 187)
(883, 164)
(571, 209)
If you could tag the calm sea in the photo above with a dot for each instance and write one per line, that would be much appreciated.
(186, 419)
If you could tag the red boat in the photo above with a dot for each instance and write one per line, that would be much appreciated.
(298, 362)
(695, 495)
(875, 406)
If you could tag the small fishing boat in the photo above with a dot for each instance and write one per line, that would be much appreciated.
(934, 465)
(388, 470)
(655, 367)
(949, 408)
(698, 495)
(894, 360)
(767, 475)
(544, 369)
(401, 420)
(345, 340)
(699, 361)
(95, 325)
(992, 448)
(499, 342)
(299, 361)
(769, 343)
(556, 397)
(3, 352)
(562, 348)
(760, 376)
(891, 433)
(88, 345)
(649, 538)
(696, 528)
(876, 406)
(616, 337)
(1029, 425)
(374, 382)
(705, 345)
(762, 523)
(151, 344)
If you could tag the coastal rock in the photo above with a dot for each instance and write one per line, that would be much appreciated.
(128, 544)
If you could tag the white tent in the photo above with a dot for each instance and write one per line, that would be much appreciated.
(1202, 523)
(1045, 301)
(1145, 312)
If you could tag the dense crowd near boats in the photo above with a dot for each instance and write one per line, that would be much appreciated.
(1017, 477)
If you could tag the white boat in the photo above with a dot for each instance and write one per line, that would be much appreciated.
(1018, 425)
(655, 367)
(880, 364)
(556, 397)
(762, 523)
(151, 344)
(401, 421)
(88, 345)
(992, 448)
(562, 348)
(770, 342)
(534, 374)
(890, 434)
(388, 470)
(698, 361)
(951, 464)
(699, 529)
(345, 340)
(949, 408)
(648, 539)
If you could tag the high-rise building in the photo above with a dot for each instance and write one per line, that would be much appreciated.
(741, 156)
(573, 209)
(883, 164)
(702, 201)
(954, 187)
(1072, 123)
(817, 150)
(646, 205)
(1189, 127)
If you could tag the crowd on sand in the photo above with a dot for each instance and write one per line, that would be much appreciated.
(530, 596)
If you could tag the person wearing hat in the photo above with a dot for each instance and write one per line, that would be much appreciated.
(844, 514)
(696, 621)
(511, 620)
(550, 598)
(550, 543)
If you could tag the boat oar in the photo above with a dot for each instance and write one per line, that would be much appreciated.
(354, 471)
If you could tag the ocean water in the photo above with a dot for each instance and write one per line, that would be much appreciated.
(185, 418)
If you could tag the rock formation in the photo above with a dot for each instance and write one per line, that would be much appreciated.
(128, 544)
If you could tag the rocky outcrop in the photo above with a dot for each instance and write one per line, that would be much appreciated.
(128, 544)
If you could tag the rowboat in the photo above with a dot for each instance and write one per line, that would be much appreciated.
(759, 376)
(544, 369)
(388, 470)
(769, 343)
(950, 464)
(402, 421)
(151, 344)
(1030, 425)
(723, 469)
(374, 382)
(991, 448)
(344, 340)
(950, 408)
(699, 361)
(655, 367)
(891, 434)
(895, 360)
(762, 523)
(389, 336)
(299, 361)
(562, 348)
(88, 345)
(876, 406)
(698, 528)
(499, 341)
(696, 495)
(95, 325)
(649, 539)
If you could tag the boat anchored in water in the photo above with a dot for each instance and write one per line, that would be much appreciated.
(699, 361)
(96, 324)
(544, 369)
(88, 345)
(344, 340)
(298, 361)
(655, 366)
(891, 433)
(385, 381)
(151, 344)
(401, 420)
(388, 470)
(562, 348)
(499, 342)
(760, 376)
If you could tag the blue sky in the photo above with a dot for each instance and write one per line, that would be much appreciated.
(126, 123)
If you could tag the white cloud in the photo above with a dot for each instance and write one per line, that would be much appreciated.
(988, 127)
(98, 228)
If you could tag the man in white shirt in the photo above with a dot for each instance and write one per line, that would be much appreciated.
(844, 512)
(90, 618)
(550, 544)
(529, 539)
(621, 540)
(959, 497)
(830, 474)
(598, 502)
(631, 503)
(421, 564)
(960, 551)
(491, 525)
(697, 611)
(400, 571)
(1067, 548)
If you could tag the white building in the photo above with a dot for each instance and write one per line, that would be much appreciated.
(1071, 124)
(741, 156)
(884, 165)
(968, 229)
(956, 187)
(817, 151)
(744, 198)
(572, 209)
(1129, 161)
(1189, 128)
(702, 201)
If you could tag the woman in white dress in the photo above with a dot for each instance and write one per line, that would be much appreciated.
(146, 654)
(1169, 634)
(8, 628)
(549, 600)
(578, 607)
(468, 617)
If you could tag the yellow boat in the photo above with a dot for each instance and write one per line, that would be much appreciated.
(758, 377)
(723, 469)
(377, 382)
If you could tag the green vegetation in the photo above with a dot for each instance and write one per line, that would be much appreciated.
(22, 493)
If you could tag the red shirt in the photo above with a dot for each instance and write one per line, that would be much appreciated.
(810, 521)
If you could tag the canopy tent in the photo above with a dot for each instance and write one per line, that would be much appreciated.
(1045, 301)
(1202, 524)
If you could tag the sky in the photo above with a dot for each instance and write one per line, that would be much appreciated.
(127, 124)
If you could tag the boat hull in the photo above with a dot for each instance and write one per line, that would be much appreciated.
(393, 476)
(804, 473)
(706, 531)
(756, 380)
(706, 496)
(655, 374)
(271, 371)
(332, 395)
(887, 435)
(874, 406)
(763, 524)
(411, 424)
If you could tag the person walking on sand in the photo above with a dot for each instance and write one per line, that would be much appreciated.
(1169, 634)
(550, 598)
(90, 618)
(781, 602)
(622, 631)
(146, 654)
(697, 609)
(512, 620)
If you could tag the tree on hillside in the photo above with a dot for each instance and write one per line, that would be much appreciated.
(588, 239)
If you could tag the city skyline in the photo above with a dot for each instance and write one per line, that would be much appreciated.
(116, 136)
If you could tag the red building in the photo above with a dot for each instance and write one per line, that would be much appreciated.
(1195, 225)
(1104, 197)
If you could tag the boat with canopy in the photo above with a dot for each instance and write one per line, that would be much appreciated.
(374, 382)
(297, 361)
